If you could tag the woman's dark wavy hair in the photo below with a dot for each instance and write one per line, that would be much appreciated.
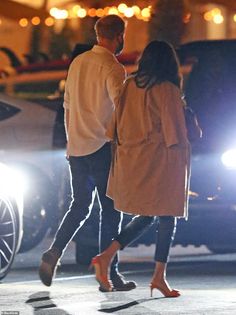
(157, 64)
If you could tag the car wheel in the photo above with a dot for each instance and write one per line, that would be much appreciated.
(36, 223)
(8, 236)
(39, 203)
(222, 249)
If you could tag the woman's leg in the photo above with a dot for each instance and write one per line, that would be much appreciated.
(134, 229)
(165, 236)
(129, 233)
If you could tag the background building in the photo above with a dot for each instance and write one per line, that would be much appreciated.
(54, 26)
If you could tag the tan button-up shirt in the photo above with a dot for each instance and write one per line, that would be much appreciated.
(93, 84)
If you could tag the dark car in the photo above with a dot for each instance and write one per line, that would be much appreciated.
(210, 89)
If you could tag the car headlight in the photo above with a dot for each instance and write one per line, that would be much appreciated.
(12, 182)
(228, 158)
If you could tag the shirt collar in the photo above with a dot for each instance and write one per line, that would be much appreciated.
(101, 49)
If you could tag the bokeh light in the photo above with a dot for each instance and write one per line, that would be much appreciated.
(122, 7)
(49, 21)
(92, 12)
(113, 10)
(214, 15)
(218, 19)
(23, 22)
(81, 13)
(129, 12)
(59, 14)
(35, 20)
(100, 12)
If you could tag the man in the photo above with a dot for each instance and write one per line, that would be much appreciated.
(93, 84)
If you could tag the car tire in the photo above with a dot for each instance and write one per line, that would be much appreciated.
(8, 235)
(36, 223)
(39, 204)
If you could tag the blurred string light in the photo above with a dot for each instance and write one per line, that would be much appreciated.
(23, 22)
(59, 14)
(35, 20)
(92, 12)
(100, 12)
(49, 21)
(122, 7)
(144, 14)
(113, 10)
(214, 15)
(77, 11)
(81, 13)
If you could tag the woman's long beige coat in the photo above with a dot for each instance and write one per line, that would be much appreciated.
(150, 168)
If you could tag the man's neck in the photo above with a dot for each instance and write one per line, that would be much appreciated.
(109, 45)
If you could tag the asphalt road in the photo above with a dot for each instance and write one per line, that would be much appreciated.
(207, 283)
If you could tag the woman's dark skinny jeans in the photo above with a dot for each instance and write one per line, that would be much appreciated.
(139, 224)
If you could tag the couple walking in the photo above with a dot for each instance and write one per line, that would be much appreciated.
(128, 139)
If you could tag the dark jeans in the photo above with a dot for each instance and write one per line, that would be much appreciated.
(139, 224)
(88, 173)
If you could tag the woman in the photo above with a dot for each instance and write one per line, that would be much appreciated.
(149, 176)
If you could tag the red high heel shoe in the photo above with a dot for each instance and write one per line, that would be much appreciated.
(105, 284)
(172, 294)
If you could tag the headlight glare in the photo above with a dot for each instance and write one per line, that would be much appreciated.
(228, 158)
(12, 182)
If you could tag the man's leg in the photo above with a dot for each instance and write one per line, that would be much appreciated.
(81, 205)
(110, 218)
(73, 220)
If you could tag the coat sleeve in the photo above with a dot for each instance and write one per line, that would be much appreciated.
(172, 115)
(111, 128)
(66, 102)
